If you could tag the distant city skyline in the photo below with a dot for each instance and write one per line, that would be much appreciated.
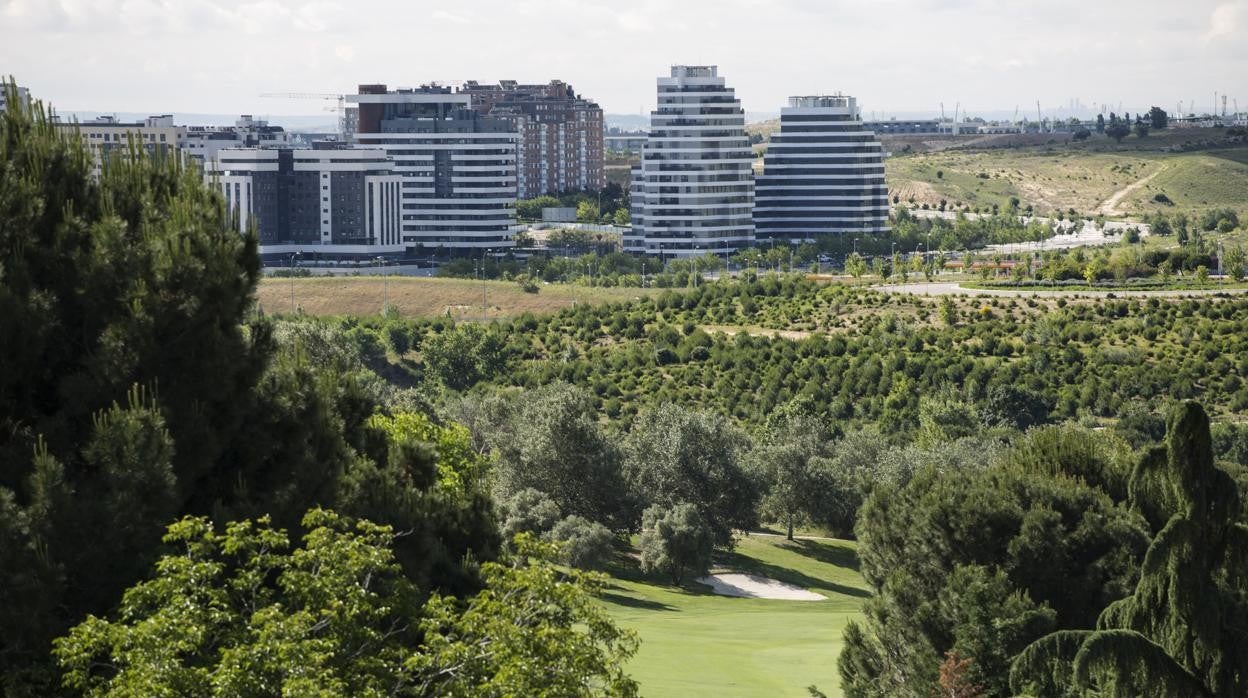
(896, 56)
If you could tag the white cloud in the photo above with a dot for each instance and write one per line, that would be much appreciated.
(892, 54)
(1224, 21)
(444, 16)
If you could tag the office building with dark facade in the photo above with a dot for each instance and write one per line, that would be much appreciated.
(331, 199)
(823, 174)
(457, 166)
(559, 134)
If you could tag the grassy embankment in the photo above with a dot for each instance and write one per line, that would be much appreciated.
(1086, 180)
(695, 643)
(426, 297)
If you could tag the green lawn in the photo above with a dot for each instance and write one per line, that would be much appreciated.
(694, 643)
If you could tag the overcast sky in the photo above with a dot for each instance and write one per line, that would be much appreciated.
(896, 55)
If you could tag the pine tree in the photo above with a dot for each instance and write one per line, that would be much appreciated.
(1182, 632)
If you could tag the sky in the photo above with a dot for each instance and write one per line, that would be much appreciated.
(896, 56)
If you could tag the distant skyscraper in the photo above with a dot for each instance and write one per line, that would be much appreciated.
(458, 167)
(694, 190)
(823, 174)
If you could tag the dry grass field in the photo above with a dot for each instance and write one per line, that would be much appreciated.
(423, 297)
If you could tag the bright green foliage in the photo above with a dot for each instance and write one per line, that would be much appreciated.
(459, 466)
(1181, 632)
(1235, 262)
(676, 542)
(676, 456)
(240, 613)
(462, 355)
(532, 631)
(1047, 553)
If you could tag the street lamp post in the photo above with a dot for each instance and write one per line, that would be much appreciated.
(385, 283)
(484, 287)
(293, 256)
(855, 245)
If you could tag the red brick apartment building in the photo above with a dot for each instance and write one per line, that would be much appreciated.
(560, 145)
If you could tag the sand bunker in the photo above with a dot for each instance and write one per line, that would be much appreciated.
(752, 586)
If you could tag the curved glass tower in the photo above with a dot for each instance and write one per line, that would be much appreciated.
(694, 190)
(823, 174)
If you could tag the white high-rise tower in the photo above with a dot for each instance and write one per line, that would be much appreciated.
(823, 174)
(694, 190)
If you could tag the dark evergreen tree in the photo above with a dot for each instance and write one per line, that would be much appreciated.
(1182, 632)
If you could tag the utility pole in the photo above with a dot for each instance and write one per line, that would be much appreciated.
(484, 287)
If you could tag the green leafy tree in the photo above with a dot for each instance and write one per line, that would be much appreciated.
(621, 216)
(584, 544)
(587, 212)
(1202, 274)
(552, 441)
(241, 613)
(1117, 131)
(948, 312)
(463, 355)
(790, 460)
(675, 541)
(675, 456)
(855, 266)
(1158, 118)
(528, 511)
(1181, 632)
(532, 631)
(1235, 262)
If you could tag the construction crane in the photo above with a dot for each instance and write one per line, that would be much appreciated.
(339, 106)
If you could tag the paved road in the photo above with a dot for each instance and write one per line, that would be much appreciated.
(1088, 235)
(945, 288)
(392, 270)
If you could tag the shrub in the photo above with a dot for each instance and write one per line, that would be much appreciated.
(675, 541)
(528, 511)
(587, 544)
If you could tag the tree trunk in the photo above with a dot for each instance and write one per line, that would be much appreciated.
(790, 536)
